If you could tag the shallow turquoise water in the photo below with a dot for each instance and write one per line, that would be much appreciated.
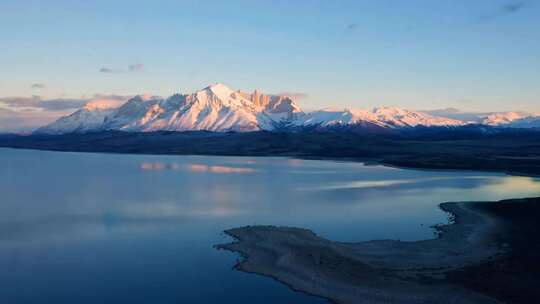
(102, 228)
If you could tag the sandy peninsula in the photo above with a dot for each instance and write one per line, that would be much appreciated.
(389, 271)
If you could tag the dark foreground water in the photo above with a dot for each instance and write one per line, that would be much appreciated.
(101, 228)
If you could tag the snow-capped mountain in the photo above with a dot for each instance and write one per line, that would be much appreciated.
(513, 120)
(396, 117)
(386, 117)
(221, 109)
(336, 116)
(453, 113)
(502, 118)
(89, 118)
(214, 108)
(527, 122)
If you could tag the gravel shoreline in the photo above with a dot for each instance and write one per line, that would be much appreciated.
(383, 271)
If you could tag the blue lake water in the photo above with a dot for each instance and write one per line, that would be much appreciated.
(102, 228)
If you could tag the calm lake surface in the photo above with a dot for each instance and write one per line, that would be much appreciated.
(101, 228)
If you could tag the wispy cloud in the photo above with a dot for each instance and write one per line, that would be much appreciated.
(109, 70)
(513, 7)
(23, 121)
(132, 68)
(138, 67)
(38, 86)
(294, 95)
(37, 103)
(507, 9)
(351, 26)
(27, 113)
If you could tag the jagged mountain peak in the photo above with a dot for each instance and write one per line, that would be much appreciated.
(220, 108)
(102, 104)
(144, 97)
(218, 89)
(501, 118)
(399, 117)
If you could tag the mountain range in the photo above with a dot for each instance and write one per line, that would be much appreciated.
(221, 109)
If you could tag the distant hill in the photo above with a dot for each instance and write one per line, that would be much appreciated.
(471, 147)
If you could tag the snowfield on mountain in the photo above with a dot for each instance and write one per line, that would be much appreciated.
(220, 109)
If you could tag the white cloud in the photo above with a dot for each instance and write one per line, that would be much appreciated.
(132, 68)
(38, 86)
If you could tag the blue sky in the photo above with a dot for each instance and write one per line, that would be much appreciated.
(481, 55)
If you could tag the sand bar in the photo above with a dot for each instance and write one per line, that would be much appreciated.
(384, 271)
